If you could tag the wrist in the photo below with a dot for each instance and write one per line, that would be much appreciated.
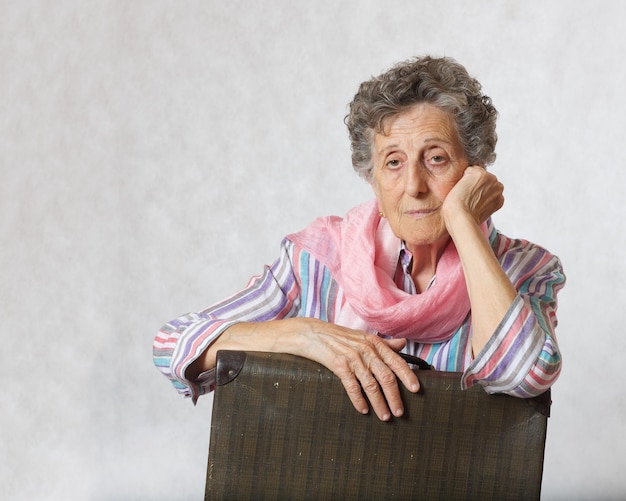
(459, 221)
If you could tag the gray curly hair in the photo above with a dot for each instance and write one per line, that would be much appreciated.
(441, 82)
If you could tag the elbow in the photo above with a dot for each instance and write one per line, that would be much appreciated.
(542, 375)
(162, 352)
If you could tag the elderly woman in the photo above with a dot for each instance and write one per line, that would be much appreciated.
(421, 269)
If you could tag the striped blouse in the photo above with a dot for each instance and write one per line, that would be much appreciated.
(522, 357)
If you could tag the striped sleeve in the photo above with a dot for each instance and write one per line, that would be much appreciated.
(522, 358)
(273, 295)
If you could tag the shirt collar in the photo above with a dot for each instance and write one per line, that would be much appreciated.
(405, 262)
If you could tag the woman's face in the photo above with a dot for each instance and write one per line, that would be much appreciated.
(417, 161)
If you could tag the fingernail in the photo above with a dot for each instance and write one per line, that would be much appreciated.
(386, 417)
(398, 412)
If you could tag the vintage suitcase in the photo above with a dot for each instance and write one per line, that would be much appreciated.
(283, 428)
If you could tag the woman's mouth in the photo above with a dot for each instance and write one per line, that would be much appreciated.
(420, 213)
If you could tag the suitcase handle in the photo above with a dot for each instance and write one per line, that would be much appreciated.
(419, 362)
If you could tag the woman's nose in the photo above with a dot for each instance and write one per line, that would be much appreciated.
(415, 180)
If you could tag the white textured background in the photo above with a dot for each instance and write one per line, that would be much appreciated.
(154, 153)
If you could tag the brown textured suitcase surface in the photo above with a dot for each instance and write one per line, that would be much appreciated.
(283, 428)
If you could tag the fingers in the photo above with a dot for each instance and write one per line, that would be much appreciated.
(352, 387)
(373, 376)
(381, 388)
(478, 192)
(401, 369)
(367, 365)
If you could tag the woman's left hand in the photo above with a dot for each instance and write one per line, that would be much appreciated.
(478, 193)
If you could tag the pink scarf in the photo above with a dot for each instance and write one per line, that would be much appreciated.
(361, 252)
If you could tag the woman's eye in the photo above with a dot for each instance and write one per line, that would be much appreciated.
(437, 161)
(393, 164)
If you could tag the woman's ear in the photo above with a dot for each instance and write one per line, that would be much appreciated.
(374, 187)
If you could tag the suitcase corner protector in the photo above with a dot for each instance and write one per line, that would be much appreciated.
(229, 365)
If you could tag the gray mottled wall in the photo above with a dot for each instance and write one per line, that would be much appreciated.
(154, 153)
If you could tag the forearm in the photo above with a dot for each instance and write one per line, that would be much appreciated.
(365, 363)
(490, 290)
(181, 342)
(521, 358)
(283, 336)
(512, 295)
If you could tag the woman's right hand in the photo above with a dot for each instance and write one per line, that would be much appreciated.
(367, 365)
